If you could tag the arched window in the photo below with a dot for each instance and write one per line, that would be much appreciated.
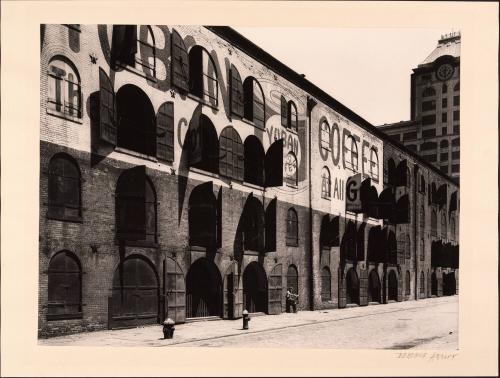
(444, 88)
(422, 283)
(203, 144)
(292, 228)
(326, 284)
(135, 207)
(325, 137)
(351, 154)
(135, 48)
(64, 90)
(444, 230)
(433, 223)
(407, 283)
(291, 172)
(203, 81)
(146, 51)
(64, 189)
(292, 279)
(254, 161)
(422, 221)
(401, 244)
(374, 165)
(407, 247)
(426, 146)
(231, 154)
(292, 116)
(422, 249)
(428, 92)
(456, 87)
(444, 144)
(202, 216)
(64, 287)
(254, 108)
(326, 183)
(136, 120)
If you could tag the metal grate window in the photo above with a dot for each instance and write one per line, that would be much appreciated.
(231, 154)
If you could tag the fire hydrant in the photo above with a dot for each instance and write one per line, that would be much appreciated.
(168, 329)
(246, 319)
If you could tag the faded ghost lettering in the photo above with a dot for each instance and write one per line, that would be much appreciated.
(365, 149)
(345, 135)
(290, 140)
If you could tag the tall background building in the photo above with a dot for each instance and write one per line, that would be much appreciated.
(434, 128)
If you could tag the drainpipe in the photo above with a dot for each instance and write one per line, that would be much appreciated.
(311, 103)
(415, 241)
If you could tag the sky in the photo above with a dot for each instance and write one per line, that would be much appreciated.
(368, 70)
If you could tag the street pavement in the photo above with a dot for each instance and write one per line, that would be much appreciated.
(424, 324)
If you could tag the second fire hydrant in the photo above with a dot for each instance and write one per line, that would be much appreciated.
(246, 319)
(168, 329)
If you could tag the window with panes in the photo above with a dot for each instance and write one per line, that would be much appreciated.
(292, 228)
(351, 154)
(203, 81)
(64, 287)
(325, 136)
(374, 165)
(64, 189)
(64, 89)
(291, 171)
(326, 183)
(231, 159)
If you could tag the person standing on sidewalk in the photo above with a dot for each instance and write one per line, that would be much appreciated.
(291, 300)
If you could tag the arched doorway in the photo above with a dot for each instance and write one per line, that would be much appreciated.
(203, 290)
(374, 287)
(434, 284)
(352, 287)
(255, 288)
(392, 293)
(135, 294)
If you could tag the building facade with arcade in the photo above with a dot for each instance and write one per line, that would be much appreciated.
(186, 173)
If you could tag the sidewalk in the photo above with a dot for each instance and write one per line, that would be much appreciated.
(207, 330)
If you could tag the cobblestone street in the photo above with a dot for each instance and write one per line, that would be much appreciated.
(425, 324)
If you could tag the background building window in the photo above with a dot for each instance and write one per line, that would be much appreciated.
(444, 156)
(407, 283)
(422, 220)
(444, 130)
(444, 88)
(231, 154)
(456, 100)
(428, 92)
(374, 165)
(428, 105)
(351, 154)
(455, 155)
(455, 142)
(422, 283)
(456, 87)
(443, 225)
(455, 168)
(444, 104)
(292, 228)
(422, 249)
(426, 146)
(407, 247)
(409, 136)
(326, 183)
(452, 227)
(444, 117)
(326, 284)
(433, 223)
(325, 136)
(456, 115)
(64, 193)
(429, 133)
(429, 119)
(456, 129)
(64, 90)
(64, 287)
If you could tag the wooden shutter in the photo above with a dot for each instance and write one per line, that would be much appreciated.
(400, 287)
(219, 219)
(175, 292)
(275, 290)
(107, 109)
(236, 92)
(165, 132)
(273, 164)
(271, 226)
(180, 63)
(284, 112)
(124, 44)
(131, 204)
(363, 287)
(342, 289)
(402, 173)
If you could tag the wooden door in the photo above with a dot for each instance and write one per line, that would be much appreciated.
(276, 290)
(175, 292)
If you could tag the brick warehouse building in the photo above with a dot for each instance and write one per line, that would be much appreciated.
(187, 173)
